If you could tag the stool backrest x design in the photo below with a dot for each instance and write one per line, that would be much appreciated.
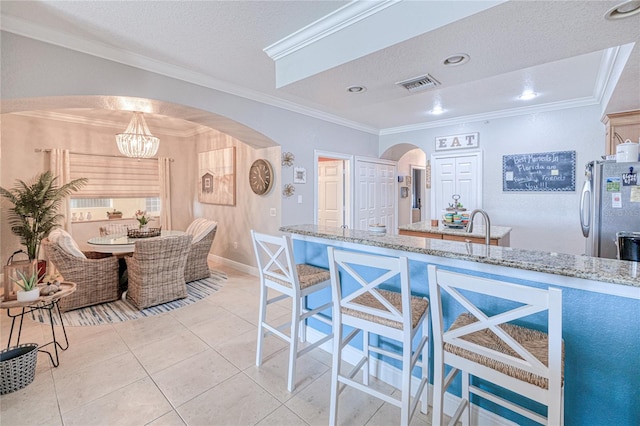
(486, 345)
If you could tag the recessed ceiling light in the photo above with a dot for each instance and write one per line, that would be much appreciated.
(356, 89)
(457, 59)
(437, 110)
(527, 95)
(623, 10)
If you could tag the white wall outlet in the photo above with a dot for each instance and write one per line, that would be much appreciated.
(235, 245)
(299, 199)
(272, 211)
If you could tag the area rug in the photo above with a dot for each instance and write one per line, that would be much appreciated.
(123, 310)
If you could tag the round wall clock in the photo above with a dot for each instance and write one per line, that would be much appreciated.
(261, 176)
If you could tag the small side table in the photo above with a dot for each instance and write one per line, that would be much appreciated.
(46, 304)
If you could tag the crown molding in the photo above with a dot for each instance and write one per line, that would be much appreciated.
(341, 18)
(37, 32)
(493, 115)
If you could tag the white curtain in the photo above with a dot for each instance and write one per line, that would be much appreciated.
(59, 165)
(164, 165)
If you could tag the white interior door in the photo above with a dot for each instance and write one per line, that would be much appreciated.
(456, 174)
(375, 194)
(331, 193)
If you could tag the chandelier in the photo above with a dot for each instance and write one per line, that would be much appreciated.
(137, 141)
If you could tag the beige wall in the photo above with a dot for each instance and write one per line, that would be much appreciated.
(233, 240)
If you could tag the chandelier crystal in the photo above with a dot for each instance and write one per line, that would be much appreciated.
(137, 141)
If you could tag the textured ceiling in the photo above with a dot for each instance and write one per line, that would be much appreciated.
(564, 50)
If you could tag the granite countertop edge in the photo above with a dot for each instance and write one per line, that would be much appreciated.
(577, 266)
(496, 232)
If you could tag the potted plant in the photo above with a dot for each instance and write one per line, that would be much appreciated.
(142, 219)
(35, 208)
(29, 285)
(115, 214)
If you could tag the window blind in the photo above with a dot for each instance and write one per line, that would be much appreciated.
(115, 177)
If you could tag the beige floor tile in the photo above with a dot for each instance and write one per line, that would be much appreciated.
(89, 383)
(143, 331)
(197, 313)
(312, 404)
(163, 353)
(134, 404)
(86, 350)
(193, 376)
(389, 414)
(241, 350)
(220, 330)
(172, 418)
(237, 401)
(282, 417)
(273, 373)
(39, 397)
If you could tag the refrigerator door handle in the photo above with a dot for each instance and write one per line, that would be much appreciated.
(585, 207)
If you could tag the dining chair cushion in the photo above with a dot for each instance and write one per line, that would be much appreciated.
(199, 228)
(534, 341)
(64, 240)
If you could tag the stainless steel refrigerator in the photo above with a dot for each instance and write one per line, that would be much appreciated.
(610, 203)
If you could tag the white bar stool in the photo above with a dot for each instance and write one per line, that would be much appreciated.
(526, 361)
(361, 302)
(279, 272)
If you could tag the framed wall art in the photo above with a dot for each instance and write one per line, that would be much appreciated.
(299, 175)
(217, 176)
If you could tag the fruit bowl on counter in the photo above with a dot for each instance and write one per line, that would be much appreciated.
(455, 220)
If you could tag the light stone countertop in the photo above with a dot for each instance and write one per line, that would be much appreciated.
(496, 232)
(591, 268)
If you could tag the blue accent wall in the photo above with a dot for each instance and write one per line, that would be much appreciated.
(602, 345)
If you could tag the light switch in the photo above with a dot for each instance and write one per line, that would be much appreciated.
(299, 199)
(272, 211)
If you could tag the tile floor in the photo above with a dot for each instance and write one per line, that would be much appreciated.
(193, 366)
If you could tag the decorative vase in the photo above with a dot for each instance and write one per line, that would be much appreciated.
(29, 296)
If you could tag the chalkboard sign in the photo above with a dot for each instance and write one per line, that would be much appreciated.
(543, 171)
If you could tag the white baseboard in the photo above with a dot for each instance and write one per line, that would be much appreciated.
(391, 375)
(251, 270)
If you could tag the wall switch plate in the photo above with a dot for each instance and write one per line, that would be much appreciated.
(299, 199)
(272, 211)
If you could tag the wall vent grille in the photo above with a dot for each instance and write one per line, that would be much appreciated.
(417, 84)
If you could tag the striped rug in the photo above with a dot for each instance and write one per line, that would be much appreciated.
(123, 310)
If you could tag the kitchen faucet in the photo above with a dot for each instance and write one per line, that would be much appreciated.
(487, 224)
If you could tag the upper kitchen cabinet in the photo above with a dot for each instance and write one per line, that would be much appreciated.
(625, 124)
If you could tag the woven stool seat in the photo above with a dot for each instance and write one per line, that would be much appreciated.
(536, 342)
(419, 306)
(308, 275)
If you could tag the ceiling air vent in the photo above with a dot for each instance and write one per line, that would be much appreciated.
(417, 84)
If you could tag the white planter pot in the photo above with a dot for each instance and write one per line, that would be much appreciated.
(29, 296)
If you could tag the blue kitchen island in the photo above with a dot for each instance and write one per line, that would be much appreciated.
(601, 313)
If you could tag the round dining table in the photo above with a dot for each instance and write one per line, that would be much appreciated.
(121, 243)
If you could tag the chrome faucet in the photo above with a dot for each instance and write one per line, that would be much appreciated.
(487, 224)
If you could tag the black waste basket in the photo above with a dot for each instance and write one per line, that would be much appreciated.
(629, 246)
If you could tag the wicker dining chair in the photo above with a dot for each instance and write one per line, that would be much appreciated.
(156, 270)
(96, 279)
(203, 232)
